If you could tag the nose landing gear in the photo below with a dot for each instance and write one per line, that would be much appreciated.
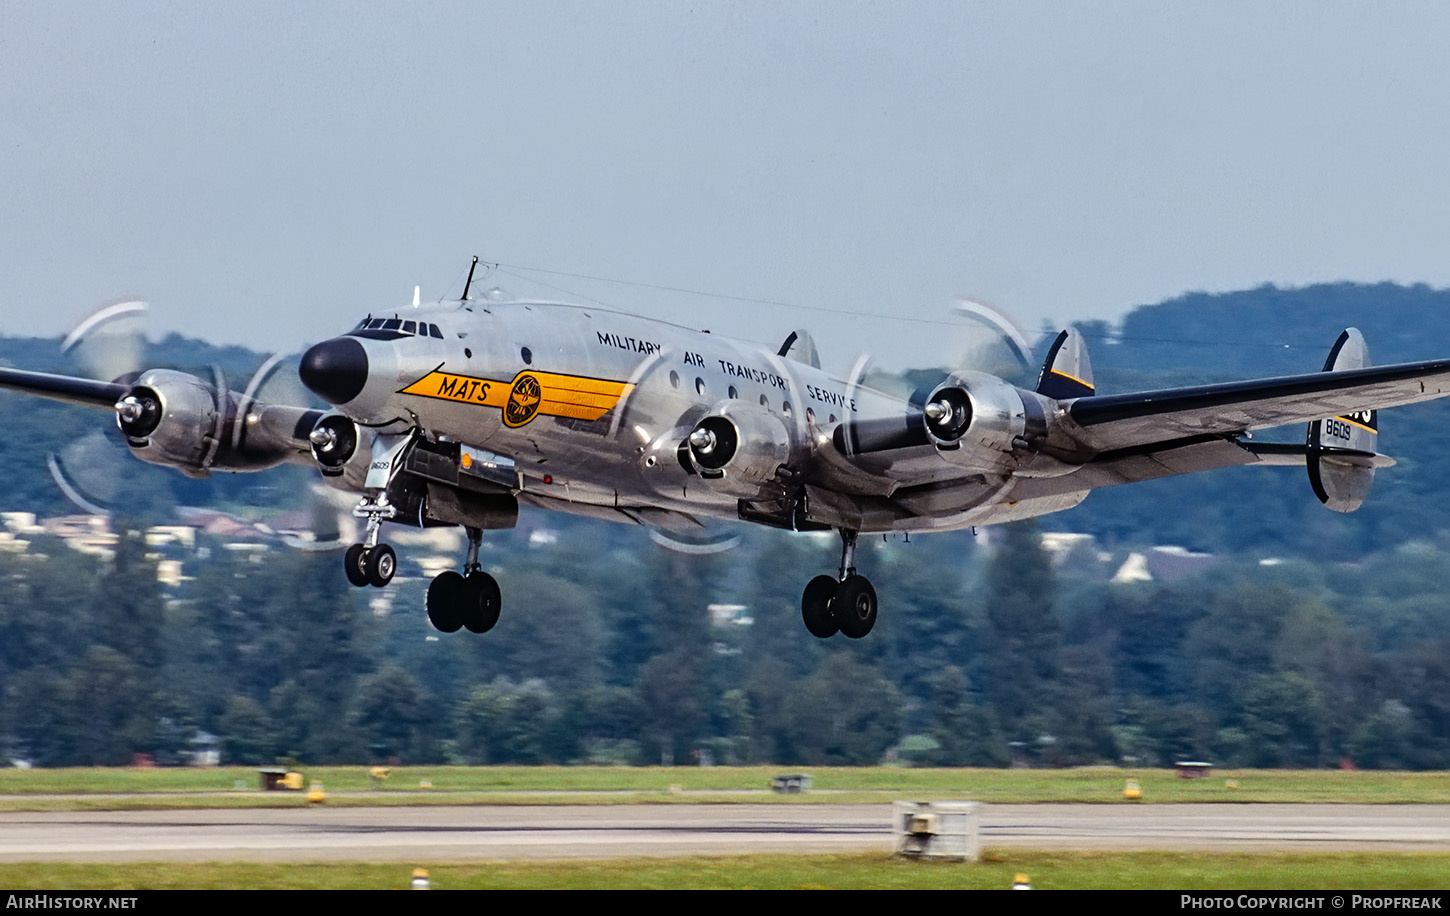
(846, 604)
(371, 563)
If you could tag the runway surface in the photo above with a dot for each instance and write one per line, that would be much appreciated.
(482, 833)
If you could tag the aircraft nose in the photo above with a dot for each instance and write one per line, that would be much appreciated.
(335, 370)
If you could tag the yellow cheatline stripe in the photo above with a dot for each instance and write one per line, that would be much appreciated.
(574, 399)
(464, 389)
(571, 411)
(575, 396)
(576, 382)
(1357, 423)
(1088, 385)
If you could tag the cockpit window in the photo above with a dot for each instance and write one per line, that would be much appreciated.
(394, 328)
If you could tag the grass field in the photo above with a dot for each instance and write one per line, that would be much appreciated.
(1047, 871)
(148, 787)
(91, 789)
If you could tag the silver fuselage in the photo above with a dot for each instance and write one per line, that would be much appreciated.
(592, 406)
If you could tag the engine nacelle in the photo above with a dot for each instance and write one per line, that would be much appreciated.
(739, 449)
(176, 420)
(342, 451)
(977, 420)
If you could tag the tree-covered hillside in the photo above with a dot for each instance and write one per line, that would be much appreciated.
(1201, 338)
(612, 649)
(36, 429)
(1194, 339)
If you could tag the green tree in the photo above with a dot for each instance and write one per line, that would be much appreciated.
(1385, 739)
(1282, 721)
(505, 722)
(964, 732)
(1023, 634)
(673, 705)
(771, 691)
(481, 725)
(396, 716)
(247, 732)
(847, 714)
(132, 614)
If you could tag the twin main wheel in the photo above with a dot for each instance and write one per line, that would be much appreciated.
(455, 601)
(374, 566)
(847, 606)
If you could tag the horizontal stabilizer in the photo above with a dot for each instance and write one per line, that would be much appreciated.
(1289, 455)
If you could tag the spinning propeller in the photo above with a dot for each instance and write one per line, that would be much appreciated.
(94, 471)
(980, 339)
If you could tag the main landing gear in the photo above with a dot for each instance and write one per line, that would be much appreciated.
(455, 601)
(846, 603)
(470, 600)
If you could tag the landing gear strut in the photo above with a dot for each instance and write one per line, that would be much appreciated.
(470, 600)
(371, 563)
(845, 604)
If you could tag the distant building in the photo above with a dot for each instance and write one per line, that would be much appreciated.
(1163, 564)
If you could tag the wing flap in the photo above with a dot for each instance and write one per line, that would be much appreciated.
(1132, 465)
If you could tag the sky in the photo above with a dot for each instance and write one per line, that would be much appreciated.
(268, 173)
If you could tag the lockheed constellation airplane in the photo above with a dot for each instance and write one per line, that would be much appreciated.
(460, 412)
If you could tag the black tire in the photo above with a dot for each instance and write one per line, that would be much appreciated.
(352, 564)
(854, 607)
(816, 607)
(445, 598)
(480, 604)
(380, 564)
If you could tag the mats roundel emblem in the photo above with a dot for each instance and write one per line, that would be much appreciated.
(523, 402)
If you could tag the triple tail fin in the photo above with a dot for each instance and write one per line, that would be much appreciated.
(1341, 451)
(1066, 373)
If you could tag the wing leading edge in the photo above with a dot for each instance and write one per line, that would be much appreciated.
(72, 390)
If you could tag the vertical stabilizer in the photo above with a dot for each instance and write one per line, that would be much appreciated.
(1341, 449)
(801, 347)
(1066, 373)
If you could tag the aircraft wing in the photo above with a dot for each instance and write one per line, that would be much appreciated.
(179, 421)
(1145, 436)
(72, 390)
(1110, 423)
